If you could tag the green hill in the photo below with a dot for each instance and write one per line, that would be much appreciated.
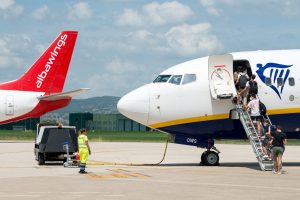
(103, 105)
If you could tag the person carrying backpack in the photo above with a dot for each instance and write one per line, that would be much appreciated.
(236, 76)
(262, 110)
(242, 80)
(242, 85)
(253, 89)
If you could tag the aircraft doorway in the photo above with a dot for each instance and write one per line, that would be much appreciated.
(242, 63)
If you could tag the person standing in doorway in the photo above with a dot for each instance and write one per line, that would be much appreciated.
(242, 81)
(84, 150)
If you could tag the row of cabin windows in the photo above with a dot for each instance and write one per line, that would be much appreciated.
(176, 79)
(280, 81)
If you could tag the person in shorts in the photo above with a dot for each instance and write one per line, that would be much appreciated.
(279, 141)
(266, 144)
(253, 107)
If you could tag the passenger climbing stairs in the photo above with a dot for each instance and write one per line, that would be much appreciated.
(255, 141)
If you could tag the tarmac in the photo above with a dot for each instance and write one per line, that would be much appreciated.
(178, 177)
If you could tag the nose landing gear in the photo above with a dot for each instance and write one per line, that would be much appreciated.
(209, 157)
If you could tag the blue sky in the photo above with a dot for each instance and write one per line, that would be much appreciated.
(123, 44)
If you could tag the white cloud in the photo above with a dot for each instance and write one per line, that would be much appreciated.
(117, 66)
(183, 40)
(210, 7)
(40, 48)
(146, 41)
(130, 17)
(189, 40)
(11, 46)
(119, 73)
(134, 43)
(8, 9)
(213, 11)
(291, 8)
(10, 61)
(140, 35)
(3, 47)
(41, 13)
(167, 12)
(80, 10)
(217, 7)
(155, 14)
(5, 4)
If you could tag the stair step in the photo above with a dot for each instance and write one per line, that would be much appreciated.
(255, 141)
(268, 162)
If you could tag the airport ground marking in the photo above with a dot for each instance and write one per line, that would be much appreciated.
(117, 173)
(129, 173)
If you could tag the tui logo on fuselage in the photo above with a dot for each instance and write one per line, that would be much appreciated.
(276, 75)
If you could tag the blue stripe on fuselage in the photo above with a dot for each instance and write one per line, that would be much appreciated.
(233, 129)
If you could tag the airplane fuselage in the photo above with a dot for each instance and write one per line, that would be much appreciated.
(190, 108)
(17, 103)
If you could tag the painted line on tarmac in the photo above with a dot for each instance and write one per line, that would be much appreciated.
(129, 173)
(117, 173)
(105, 176)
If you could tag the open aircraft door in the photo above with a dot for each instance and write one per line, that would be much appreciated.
(220, 76)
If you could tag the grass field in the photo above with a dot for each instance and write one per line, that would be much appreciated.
(94, 136)
(118, 137)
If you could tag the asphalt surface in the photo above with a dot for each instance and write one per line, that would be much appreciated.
(178, 177)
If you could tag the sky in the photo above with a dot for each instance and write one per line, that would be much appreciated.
(124, 44)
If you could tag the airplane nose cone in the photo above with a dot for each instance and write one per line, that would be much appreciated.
(135, 105)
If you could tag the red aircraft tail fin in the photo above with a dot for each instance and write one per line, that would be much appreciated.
(49, 72)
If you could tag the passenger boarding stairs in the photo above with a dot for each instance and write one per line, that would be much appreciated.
(255, 141)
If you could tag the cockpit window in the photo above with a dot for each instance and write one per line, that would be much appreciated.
(176, 79)
(188, 78)
(162, 79)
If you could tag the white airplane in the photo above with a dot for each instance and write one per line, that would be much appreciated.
(39, 90)
(192, 101)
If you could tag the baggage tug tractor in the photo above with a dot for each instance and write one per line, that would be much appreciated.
(50, 141)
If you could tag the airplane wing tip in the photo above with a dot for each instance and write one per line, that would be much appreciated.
(63, 95)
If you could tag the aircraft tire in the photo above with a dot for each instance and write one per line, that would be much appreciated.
(203, 158)
(41, 159)
(210, 158)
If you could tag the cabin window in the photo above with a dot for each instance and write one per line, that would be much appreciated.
(162, 79)
(291, 81)
(268, 81)
(279, 81)
(188, 78)
(176, 79)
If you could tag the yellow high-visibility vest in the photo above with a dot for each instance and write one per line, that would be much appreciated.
(81, 141)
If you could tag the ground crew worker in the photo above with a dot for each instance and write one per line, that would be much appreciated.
(84, 149)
